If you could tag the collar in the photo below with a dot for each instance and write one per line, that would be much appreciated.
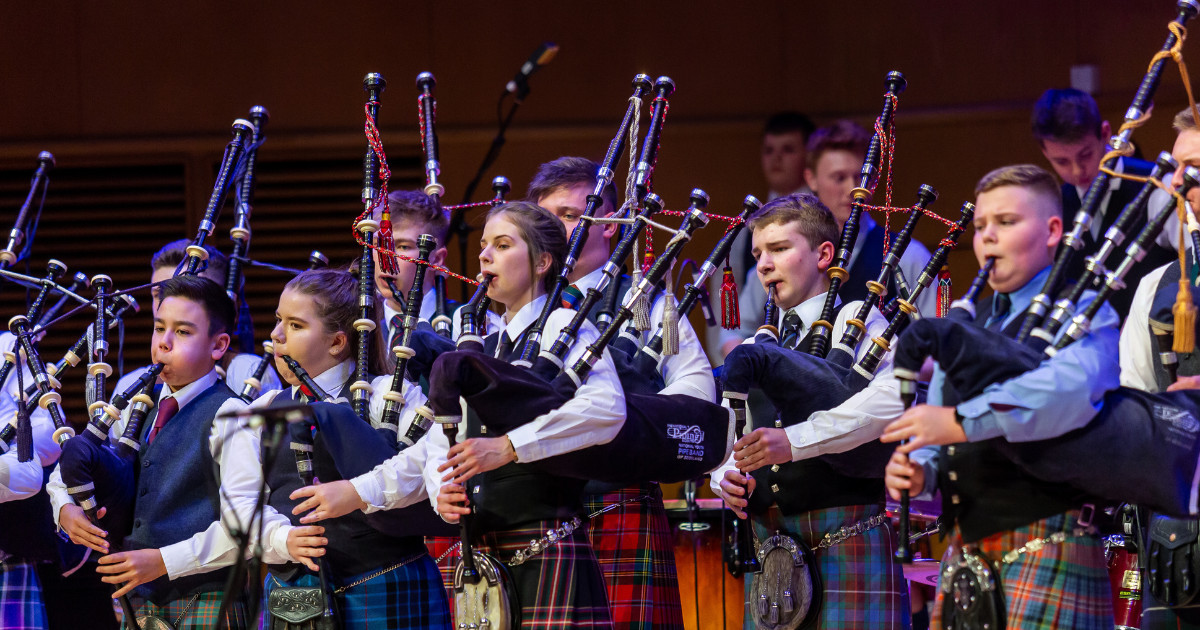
(590, 281)
(516, 324)
(333, 379)
(189, 392)
(1023, 297)
(809, 310)
(428, 306)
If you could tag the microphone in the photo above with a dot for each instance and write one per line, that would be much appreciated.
(540, 57)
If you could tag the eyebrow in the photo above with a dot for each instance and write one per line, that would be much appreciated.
(178, 323)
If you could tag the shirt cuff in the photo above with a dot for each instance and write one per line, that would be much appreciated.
(525, 444)
(370, 491)
(279, 544)
(178, 559)
(978, 423)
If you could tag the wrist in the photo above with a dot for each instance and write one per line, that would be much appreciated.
(510, 449)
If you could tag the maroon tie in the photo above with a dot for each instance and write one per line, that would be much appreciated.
(166, 408)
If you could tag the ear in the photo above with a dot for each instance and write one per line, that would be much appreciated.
(1105, 131)
(543, 264)
(810, 178)
(824, 253)
(220, 344)
(1055, 227)
(438, 257)
(339, 344)
(610, 229)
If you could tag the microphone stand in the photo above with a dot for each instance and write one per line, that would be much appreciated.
(458, 222)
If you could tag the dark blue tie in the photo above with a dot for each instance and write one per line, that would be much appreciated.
(1001, 305)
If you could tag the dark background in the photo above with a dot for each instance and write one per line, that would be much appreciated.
(135, 99)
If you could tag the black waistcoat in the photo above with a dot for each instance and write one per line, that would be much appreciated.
(514, 495)
(984, 491)
(355, 546)
(809, 484)
(178, 491)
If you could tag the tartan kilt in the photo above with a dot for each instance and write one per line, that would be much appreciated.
(1060, 586)
(437, 545)
(636, 555)
(408, 597)
(21, 604)
(200, 615)
(561, 587)
(862, 584)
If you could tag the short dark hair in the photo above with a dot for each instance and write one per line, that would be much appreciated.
(1065, 115)
(208, 294)
(175, 252)
(568, 172)
(416, 206)
(843, 135)
(789, 122)
(813, 220)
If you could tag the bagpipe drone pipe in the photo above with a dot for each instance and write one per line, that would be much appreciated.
(1140, 447)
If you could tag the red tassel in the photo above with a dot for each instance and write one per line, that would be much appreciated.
(387, 246)
(731, 317)
(943, 291)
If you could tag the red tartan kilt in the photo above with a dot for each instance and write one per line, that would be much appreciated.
(636, 554)
(437, 546)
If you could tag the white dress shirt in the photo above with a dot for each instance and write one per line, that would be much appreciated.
(1136, 348)
(688, 372)
(593, 416)
(276, 526)
(212, 548)
(22, 480)
(858, 420)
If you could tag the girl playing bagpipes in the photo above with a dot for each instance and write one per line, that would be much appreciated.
(378, 568)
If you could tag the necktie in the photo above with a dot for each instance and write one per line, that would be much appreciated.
(1001, 304)
(571, 296)
(166, 409)
(791, 329)
(397, 322)
(504, 347)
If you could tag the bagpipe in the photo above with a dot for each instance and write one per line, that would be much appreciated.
(347, 445)
(823, 328)
(20, 237)
(800, 384)
(1147, 443)
(1120, 145)
(240, 232)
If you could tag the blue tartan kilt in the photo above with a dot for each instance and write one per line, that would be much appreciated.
(21, 606)
(411, 596)
(862, 584)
